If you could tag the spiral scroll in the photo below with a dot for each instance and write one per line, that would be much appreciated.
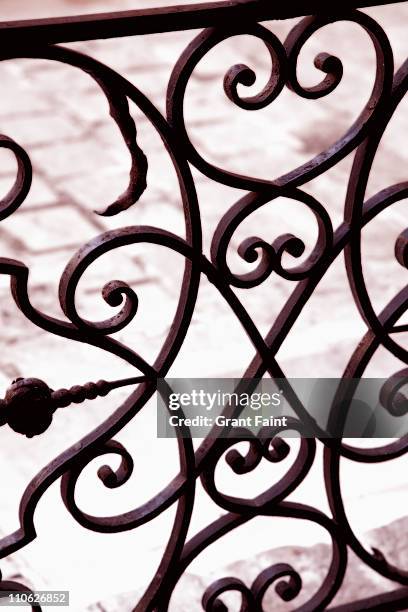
(266, 252)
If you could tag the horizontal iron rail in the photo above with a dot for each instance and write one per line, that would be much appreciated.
(166, 19)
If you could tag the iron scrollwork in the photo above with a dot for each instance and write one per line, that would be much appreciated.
(219, 22)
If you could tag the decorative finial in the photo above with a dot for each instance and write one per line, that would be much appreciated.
(29, 403)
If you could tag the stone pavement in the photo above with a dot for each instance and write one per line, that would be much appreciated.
(80, 164)
(311, 563)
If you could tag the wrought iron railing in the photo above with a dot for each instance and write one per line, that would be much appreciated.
(29, 404)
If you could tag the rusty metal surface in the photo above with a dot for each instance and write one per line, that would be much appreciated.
(221, 21)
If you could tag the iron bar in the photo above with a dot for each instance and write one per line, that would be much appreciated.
(29, 404)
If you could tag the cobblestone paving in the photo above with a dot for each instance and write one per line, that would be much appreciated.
(80, 164)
